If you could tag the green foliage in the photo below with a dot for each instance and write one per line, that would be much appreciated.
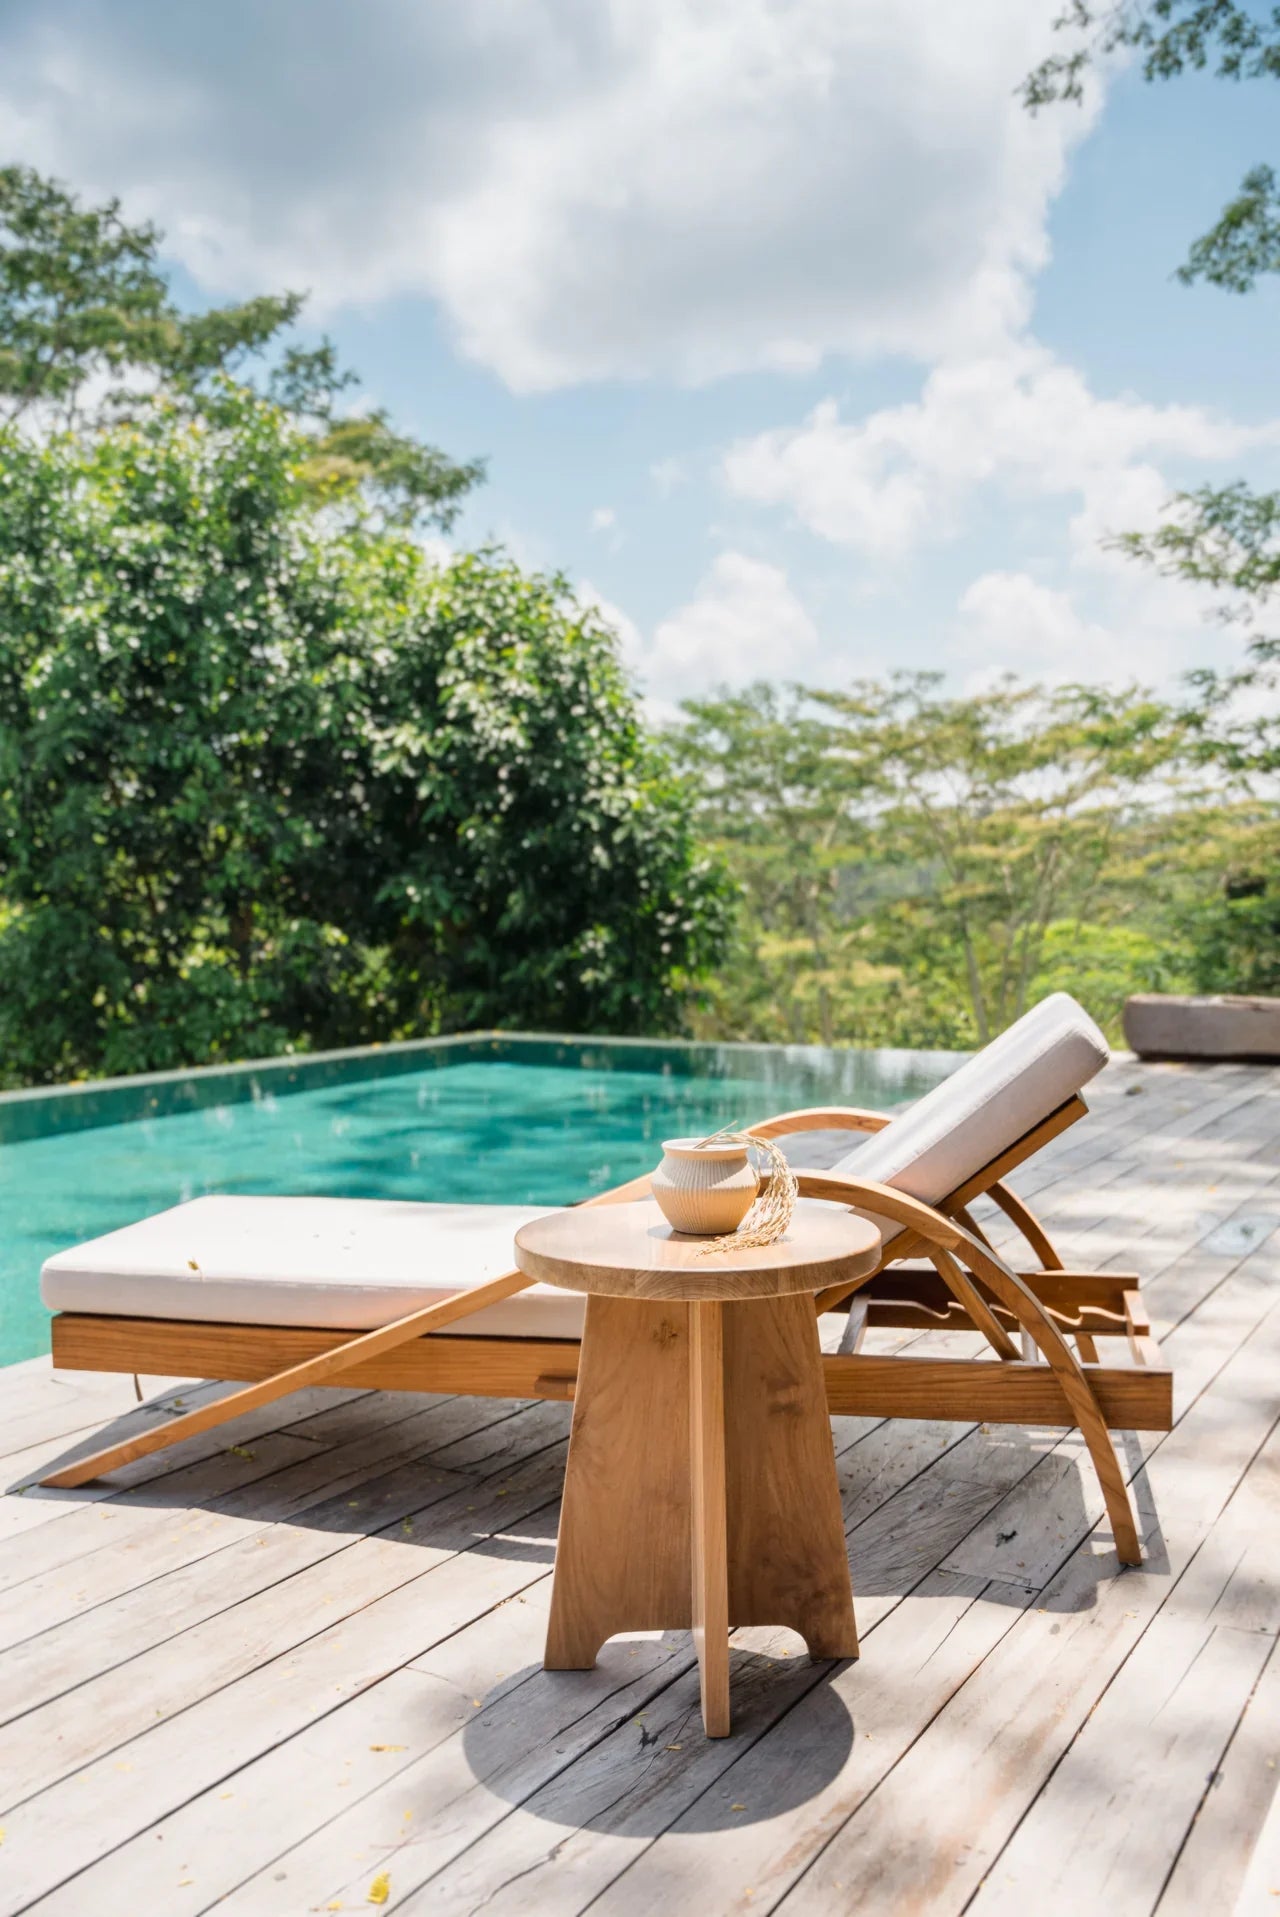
(1236, 943)
(81, 298)
(1231, 923)
(917, 869)
(1243, 242)
(362, 456)
(1228, 538)
(268, 779)
(1175, 37)
(84, 306)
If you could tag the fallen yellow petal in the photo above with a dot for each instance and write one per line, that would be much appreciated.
(380, 1888)
(387, 1747)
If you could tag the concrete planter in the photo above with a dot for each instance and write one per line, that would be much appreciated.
(1159, 1025)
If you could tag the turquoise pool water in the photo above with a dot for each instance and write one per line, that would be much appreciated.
(519, 1122)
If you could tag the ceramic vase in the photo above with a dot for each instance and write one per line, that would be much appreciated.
(704, 1189)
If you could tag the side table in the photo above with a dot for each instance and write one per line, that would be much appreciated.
(700, 1488)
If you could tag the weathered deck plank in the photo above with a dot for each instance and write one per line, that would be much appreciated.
(237, 1682)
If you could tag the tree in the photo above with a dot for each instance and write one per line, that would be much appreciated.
(82, 302)
(88, 325)
(270, 778)
(758, 760)
(1229, 536)
(917, 869)
(1174, 37)
(1013, 812)
(1225, 537)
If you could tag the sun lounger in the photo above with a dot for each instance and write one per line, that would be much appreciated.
(290, 1292)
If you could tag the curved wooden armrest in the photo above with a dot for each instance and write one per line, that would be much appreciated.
(883, 1201)
(821, 1118)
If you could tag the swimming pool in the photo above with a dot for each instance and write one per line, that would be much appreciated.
(490, 1118)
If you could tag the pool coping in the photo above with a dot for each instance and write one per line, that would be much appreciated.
(49, 1110)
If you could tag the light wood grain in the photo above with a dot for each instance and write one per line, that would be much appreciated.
(622, 1554)
(788, 1562)
(902, 1779)
(1131, 1399)
(630, 1251)
(1024, 1219)
(709, 1536)
(732, 1395)
(335, 1363)
(899, 1779)
(488, 1367)
(1018, 1298)
(822, 1118)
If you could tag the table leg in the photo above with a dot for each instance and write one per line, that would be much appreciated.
(788, 1557)
(700, 1486)
(708, 1537)
(622, 1556)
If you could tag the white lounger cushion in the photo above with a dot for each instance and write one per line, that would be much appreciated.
(337, 1264)
(350, 1264)
(987, 1105)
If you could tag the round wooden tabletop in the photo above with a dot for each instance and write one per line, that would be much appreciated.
(630, 1251)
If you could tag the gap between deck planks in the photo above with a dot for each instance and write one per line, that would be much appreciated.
(921, 1504)
(860, 1555)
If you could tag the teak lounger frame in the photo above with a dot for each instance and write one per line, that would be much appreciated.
(1031, 1320)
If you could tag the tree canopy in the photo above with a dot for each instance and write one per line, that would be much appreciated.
(1174, 37)
(1224, 537)
(271, 779)
(917, 867)
(88, 329)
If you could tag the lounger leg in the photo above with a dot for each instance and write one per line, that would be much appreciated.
(322, 1370)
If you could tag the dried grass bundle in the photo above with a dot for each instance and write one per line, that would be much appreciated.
(772, 1210)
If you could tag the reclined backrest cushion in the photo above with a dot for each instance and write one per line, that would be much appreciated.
(987, 1105)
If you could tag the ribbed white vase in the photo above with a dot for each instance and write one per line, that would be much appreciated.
(704, 1189)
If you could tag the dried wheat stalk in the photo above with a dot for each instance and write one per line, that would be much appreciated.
(772, 1210)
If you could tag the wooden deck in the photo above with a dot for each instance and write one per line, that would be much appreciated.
(297, 1669)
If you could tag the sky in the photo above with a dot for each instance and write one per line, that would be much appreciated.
(787, 333)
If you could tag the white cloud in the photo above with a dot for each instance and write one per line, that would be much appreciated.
(1018, 420)
(603, 518)
(680, 187)
(1012, 429)
(1008, 618)
(668, 474)
(744, 622)
(1138, 628)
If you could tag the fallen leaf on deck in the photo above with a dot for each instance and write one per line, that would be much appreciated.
(388, 1747)
(380, 1888)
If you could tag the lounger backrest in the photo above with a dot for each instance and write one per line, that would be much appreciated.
(996, 1096)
